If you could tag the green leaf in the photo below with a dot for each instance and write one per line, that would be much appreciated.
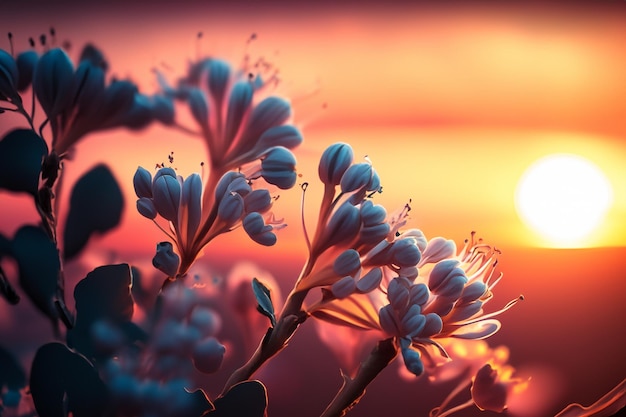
(104, 294)
(21, 154)
(63, 381)
(96, 206)
(264, 300)
(246, 399)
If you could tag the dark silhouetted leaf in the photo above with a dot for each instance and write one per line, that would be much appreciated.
(6, 289)
(63, 380)
(104, 294)
(21, 154)
(246, 399)
(38, 262)
(198, 404)
(265, 306)
(12, 374)
(96, 205)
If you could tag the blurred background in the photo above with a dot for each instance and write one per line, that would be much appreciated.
(451, 103)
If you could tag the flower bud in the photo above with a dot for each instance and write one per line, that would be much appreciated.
(205, 320)
(388, 321)
(278, 168)
(433, 325)
(208, 355)
(356, 177)
(199, 107)
(145, 207)
(398, 293)
(258, 201)
(347, 263)
(271, 112)
(372, 214)
(447, 279)
(438, 249)
(142, 182)
(285, 135)
(26, 62)
(334, 162)
(370, 281)
(404, 252)
(413, 321)
(166, 196)
(255, 227)
(192, 201)
(238, 104)
(165, 259)
(219, 74)
(487, 393)
(412, 361)
(344, 287)
(418, 294)
(230, 208)
(343, 225)
(224, 183)
(52, 79)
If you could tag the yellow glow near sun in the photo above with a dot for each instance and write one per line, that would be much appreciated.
(563, 198)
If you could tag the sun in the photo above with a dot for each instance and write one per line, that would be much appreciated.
(563, 198)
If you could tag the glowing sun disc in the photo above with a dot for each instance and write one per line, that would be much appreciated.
(563, 198)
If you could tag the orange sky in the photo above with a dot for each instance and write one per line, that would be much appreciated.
(450, 104)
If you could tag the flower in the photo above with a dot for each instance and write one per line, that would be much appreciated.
(445, 300)
(179, 201)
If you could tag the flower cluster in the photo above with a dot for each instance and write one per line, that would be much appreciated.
(445, 300)
(156, 378)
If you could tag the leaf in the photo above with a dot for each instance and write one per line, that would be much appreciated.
(96, 206)
(63, 382)
(104, 294)
(197, 404)
(264, 300)
(12, 374)
(39, 266)
(21, 154)
(246, 399)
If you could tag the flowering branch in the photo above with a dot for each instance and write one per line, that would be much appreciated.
(354, 388)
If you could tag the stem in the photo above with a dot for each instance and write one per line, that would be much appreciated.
(275, 340)
(353, 389)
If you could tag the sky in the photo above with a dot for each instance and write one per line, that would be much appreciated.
(450, 103)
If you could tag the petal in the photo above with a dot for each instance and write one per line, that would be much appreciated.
(192, 200)
(433, 325)
(387, 318)
(356, 176)
(347, 263)
(166, 260)
(438, 249)
(285, 135)
(258, 201)
(238, 104)
(199, 107)
(272, 111)
(344, 287)
(370, 281)
(145, 207)
(166, 192)
(142, 182)
(219, 74)
(52, 79)
(479, 330)
(230, 208)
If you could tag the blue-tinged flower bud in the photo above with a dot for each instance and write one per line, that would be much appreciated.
(208, 355)
(278, 168)
(472, 292)
(273, 111)
(26, 62)
(343, 288)
(165, 259)
(145, 207)
(370, 281)
(442, 305)
(356, 177)
(374, 183)
(464, 311)
(372, 214)
(255, 227)
(438, 249)
(388, 320)
(347, 263)
(163, 109)
(334, 162)
(163, 171)
(418, 294)
(238, 104)
(206, 320)
(433, 325)
(447, 279)
(230, 208)
(199, 107)
(192, 200)
(413, 321)
(240, 186)
(486, 392)
(140, 114)
(224, 182)
(409, 272)
(9, 77)
(370, 235)
(142, 182)
(166, 196)
(52, 79)
(343, 226)
(404, 253)
(258, 201)
(285, 135)
(412, 361)
(219, 74)
(117, 103)
(398, 293)
(94, 57)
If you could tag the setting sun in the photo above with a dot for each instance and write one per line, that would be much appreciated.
(563, 198)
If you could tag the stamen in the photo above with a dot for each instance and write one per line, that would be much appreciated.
(10, 35)
(53, 36)
(199, 45)
(304, 186)
(495, 313)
